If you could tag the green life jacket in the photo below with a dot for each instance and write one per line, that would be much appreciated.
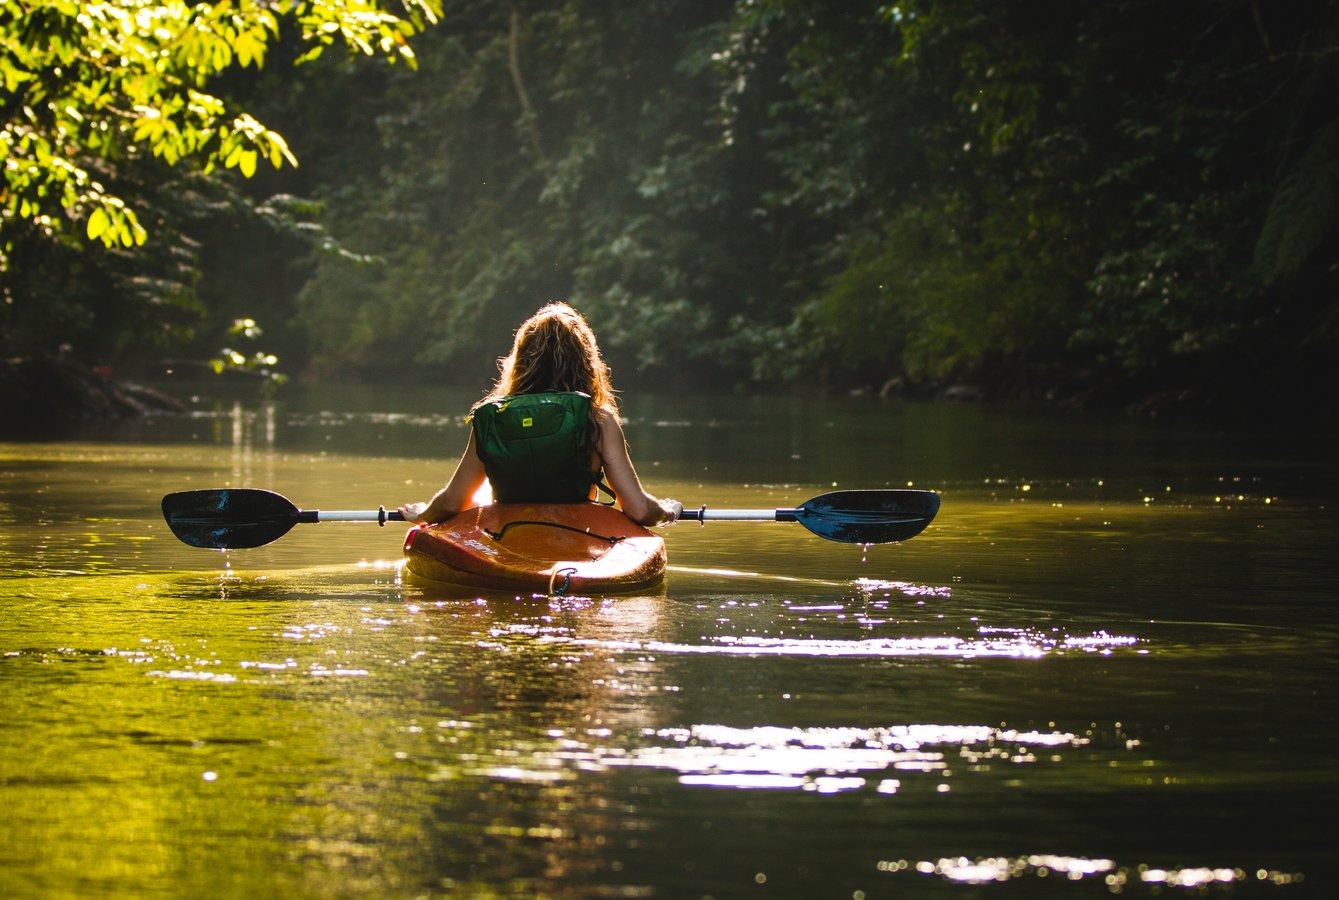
(536, 448)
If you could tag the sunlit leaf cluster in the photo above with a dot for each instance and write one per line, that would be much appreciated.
(92, 86)
(259, 363)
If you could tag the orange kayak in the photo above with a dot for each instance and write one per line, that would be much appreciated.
(555, 548)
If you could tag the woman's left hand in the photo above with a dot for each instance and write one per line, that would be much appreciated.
(413, 512)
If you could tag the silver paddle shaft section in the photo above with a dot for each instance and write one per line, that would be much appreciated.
(379, 515)
(702, 514)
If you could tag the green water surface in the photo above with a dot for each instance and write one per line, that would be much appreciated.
(1106, 669)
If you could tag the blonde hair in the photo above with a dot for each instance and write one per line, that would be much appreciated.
(555, 350)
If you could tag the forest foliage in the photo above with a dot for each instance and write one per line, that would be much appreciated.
(1100, 201)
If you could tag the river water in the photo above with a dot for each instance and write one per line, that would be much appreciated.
(1105, 669)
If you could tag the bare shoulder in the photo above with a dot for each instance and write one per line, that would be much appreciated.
(608, 419)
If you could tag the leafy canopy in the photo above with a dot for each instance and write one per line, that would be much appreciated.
(90, 85)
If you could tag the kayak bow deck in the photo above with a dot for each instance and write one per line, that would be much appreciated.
(555, 548)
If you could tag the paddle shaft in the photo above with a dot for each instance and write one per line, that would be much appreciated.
(702, 514)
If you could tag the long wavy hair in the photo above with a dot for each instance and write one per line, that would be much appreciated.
(555, 350)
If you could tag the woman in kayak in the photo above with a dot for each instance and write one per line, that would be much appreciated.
(548, 430)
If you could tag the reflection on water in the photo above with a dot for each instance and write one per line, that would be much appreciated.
(827, 760)
(1102, 671)
(995, 643)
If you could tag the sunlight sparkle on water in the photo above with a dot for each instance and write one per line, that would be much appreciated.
(191, 675)
(998, 642)
(828, 760)
(1115, 877)
(1001, 868)
(318, 671)
(876, 585)
(885, 760)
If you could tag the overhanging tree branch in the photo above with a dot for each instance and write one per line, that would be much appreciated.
(79, 66)
(528, 119)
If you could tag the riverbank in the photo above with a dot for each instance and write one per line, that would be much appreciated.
(42, 395)
(38, 393)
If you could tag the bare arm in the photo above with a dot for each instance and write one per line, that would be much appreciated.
(458, 493)
(635, 502)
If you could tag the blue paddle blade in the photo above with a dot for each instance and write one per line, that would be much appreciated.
(229, 519)
(868, 517)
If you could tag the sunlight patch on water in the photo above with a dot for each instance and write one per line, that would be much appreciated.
(871, 586)
(269, 666)
(312, 631)
(1000, 868)
(717, 573)
(330, 419)
(992, 642)
(818, 760)
(830, 760)
(193, 675)
(1116, 878)
(318, 671)
(522, 774)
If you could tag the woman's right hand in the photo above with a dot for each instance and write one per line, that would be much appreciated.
(671, 510)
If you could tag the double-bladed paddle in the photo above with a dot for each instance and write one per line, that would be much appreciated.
(238, 518)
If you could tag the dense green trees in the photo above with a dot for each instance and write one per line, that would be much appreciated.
(546, 151)
(1106, 199)
(1041, 196)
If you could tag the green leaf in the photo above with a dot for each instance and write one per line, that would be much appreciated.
(97, 223)
(1304, 209)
